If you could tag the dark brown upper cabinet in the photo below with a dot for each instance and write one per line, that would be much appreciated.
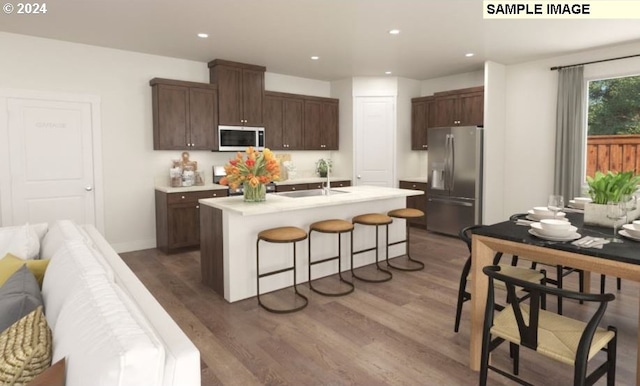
(240, 92)
(321, 124)
(464, 107)
(283, 120)
(185, 115)
(421, 120)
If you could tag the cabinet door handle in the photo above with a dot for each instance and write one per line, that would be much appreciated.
(414, 185)
(197, 206)
(182, 197)
(215, 195)
(293, 188)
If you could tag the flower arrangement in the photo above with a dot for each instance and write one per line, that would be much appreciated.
(252, 169)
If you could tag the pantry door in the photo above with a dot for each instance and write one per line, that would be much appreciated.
(52, 161)
(375, 128)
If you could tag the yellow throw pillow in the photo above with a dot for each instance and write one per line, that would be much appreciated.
(9, 264)
(25, 349)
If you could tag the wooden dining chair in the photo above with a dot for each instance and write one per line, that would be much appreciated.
(561, 270)
(520, 272)
(558, 337)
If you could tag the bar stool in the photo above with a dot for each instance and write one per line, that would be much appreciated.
(372, 219)
(337, 227)
(280, 235)
(406, 214)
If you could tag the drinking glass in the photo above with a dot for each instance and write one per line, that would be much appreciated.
(616, 211)
(555, 204)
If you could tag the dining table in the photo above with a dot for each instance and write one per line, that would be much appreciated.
(510, 237)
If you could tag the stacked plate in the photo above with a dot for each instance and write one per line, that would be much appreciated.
(579, 202)
(542, 213)
(631, 231)
(554, 230)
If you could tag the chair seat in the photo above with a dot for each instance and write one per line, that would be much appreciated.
(526, 274)
(332, 226)
(406, 213)
(558, 336)
(372, 219)
(282, 235)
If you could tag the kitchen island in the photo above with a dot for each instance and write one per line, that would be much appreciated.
(229, 226)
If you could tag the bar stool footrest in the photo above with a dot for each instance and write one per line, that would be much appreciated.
(286, 310)
(346, 292)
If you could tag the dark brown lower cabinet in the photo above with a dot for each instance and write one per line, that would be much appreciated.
(417, 202)
(178, 218)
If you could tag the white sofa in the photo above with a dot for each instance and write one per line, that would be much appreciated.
(104, 321)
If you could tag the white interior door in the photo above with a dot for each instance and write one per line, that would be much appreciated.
(375, 141)
(50, 155)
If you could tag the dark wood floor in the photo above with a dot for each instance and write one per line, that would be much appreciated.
(395, 333)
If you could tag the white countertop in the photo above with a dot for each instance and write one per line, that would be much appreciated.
(183, 189)
(278, 203)
(310, 180)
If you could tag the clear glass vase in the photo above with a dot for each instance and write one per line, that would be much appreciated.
(254, 194)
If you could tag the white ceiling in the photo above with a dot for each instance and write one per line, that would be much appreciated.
(350, 36)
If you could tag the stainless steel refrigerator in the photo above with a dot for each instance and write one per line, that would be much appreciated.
(454, 195)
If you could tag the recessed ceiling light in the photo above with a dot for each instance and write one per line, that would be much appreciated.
(469, 54)
(394, 31)
(388, 72)
(203, 35)
(315, 57)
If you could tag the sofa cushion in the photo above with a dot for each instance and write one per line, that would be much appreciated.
(18, 297)
(66, 230)
(59, 232)
(104, 343)
(73, 260)
(25, 349)
(9, 264)
(22, 241)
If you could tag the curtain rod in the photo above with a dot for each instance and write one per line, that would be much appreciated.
(595, 61)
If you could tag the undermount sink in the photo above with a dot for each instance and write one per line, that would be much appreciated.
(310, 193)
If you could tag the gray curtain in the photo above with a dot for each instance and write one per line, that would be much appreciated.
(570, 133)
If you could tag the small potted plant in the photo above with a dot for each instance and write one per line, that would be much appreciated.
(323, 166)
(608, 187)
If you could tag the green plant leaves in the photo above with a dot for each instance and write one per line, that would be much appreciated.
(610, 186)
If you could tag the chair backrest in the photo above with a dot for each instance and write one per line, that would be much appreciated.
(528, 329)
(465, 234)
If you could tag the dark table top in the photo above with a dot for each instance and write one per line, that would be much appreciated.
(628, 251)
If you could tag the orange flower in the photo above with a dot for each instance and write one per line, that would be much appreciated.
(252, 167)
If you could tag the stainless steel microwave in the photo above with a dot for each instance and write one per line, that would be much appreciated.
(239, 138)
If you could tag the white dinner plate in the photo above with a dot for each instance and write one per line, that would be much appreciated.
(573, 204)
(627, 235)
(535, 217)
(569, 237)
(538, 228)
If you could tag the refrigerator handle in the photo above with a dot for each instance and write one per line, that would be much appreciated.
(452, 161)
(446, 162)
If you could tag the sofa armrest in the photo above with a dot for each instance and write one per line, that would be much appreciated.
(182, 363)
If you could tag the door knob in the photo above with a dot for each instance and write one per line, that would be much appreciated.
(359, 176)
(88, 188)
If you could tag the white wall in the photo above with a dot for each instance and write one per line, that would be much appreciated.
(121, 79)
(343, 160)
(452, 82)
(409, 163)
(494, 143)
(530, 120)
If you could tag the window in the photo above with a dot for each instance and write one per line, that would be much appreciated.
(613, 133)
